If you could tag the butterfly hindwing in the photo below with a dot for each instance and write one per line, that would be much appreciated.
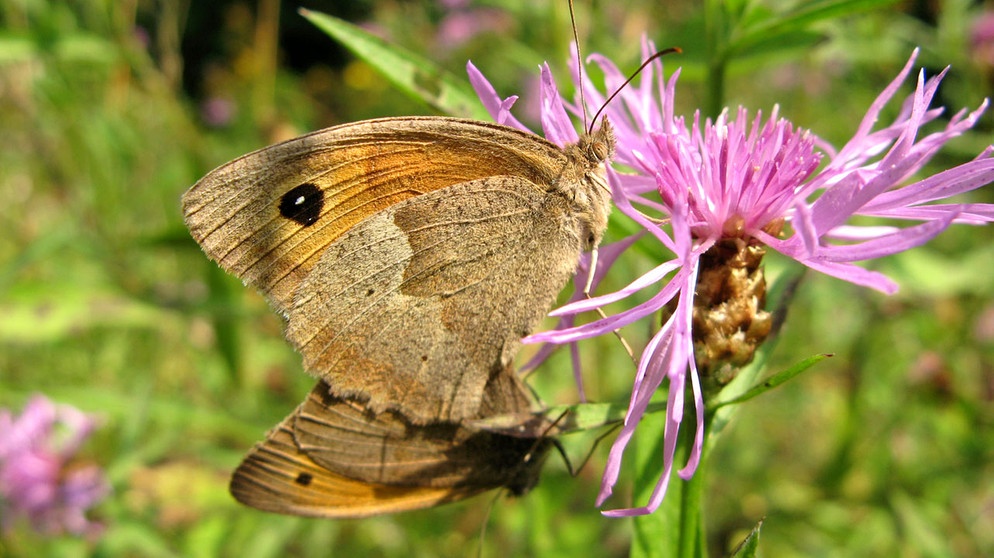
(333, 458)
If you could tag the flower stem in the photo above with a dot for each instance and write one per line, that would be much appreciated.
(692, 540)
(714, 39)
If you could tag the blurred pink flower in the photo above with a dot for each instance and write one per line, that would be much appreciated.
(462, 22)
(38, 480)
(982, 39)
(217, 112)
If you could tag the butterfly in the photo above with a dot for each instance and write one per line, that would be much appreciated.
(409, 256)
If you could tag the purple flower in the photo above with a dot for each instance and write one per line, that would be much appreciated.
(462, 22)
(982, 39)
(38, 479)
(725, 190)
(217, 112)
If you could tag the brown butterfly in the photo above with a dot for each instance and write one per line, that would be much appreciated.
(409, 256)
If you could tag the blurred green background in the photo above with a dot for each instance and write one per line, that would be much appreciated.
(109, 110)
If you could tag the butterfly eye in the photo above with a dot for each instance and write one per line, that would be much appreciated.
(600, 150)
(303, 204)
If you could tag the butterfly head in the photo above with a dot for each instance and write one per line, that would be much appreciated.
(598, 145)
(584, 182)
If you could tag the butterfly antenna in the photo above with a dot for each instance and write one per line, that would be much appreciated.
(562, 453)
(569, 465)
(648, 61)
(544, 436)
(594, 447)
(579, 66)
(557, 444)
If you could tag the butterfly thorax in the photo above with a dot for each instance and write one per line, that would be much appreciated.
(584, 185)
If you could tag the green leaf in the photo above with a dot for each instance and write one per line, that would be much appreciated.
(206, 536)
(418, 77)
(587, 416)
(771, 382)
(134, 537)
(755, 32)
(748, 547)
(226, 318)
(766, 47)
(929, 272)
(655, 534)
(569, 419)
(46, 313)
(15, 47)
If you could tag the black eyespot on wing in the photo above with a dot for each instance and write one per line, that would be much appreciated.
(304, 479)
(303, 204)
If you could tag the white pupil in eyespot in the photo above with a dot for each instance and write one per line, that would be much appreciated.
(300, 200)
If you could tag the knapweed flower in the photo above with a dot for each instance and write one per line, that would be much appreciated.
(725, 190)
(39, 481)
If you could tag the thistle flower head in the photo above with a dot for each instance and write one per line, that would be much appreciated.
(718, 193)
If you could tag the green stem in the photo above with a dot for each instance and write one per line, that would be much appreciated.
(714, 40)
(714, 97)
(692, 514)
(692, 541)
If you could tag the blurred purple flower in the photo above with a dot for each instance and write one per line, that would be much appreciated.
(217, 112)
(462, 22)
(38, 480)
(982, 39)
(141, 35)
(751, 183)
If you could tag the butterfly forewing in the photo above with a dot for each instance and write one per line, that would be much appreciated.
(268, 216)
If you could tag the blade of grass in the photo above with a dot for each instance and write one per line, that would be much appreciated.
(416, 76)
(771, 382)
